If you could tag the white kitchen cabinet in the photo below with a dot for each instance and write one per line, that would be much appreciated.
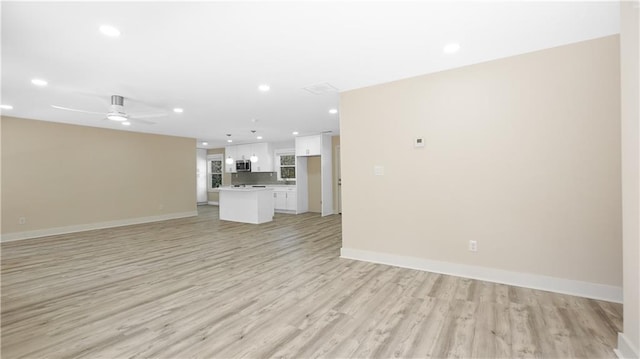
(292, 201)
(279, 200)
(265, 157)
(285, 200)
(230, 151)
(244, 152)
(309, 145)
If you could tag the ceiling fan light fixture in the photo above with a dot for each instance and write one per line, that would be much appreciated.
(119, 117)
(126, 123)
(39, 82)
(451, 48)
(110, 31)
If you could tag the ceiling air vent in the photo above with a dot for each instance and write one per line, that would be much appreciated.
(321, 88)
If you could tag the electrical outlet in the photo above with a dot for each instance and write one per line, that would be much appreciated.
(473, 246)
(22, 220)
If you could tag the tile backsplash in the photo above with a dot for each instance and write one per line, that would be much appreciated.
(253, 178)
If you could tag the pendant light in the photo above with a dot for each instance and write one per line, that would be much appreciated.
(229, 159)
(253, 157)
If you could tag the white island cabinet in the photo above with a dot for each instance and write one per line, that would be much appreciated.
(246, 204)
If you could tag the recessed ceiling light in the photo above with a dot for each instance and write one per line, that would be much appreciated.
(126, 123)
(259, 138)
(264, 87)
(6, 107)
(109, 31)
(229, 141)
(295, 133)
(39, 82)
(333, 111)
(205, 143)
(178, 110)
(451, 48)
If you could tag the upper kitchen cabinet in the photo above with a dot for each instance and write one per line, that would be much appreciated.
(230, 155)
(262, 151)
(264, 156)
(243, 152)
(309, 145)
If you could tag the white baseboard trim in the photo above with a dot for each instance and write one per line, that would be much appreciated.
(625, 349)
(533, 281)
(91, 226)
(213, 203)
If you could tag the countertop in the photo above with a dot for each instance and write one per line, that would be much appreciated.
(245, 189)
(249, 186)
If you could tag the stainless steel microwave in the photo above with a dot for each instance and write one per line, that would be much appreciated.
(243, 166)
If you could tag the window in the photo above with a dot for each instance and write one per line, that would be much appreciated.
(214, 171)
(286, 163)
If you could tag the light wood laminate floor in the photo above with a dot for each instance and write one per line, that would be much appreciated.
(199, 287)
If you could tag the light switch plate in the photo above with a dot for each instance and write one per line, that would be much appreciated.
(418, 142)
(378, 170)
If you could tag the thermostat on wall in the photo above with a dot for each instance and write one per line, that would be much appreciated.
(418, 142)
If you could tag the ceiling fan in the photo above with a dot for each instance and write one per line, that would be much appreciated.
(116, 112)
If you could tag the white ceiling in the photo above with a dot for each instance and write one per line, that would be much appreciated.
(210, 57)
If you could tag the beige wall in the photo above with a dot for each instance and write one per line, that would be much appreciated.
(314, 183)
(522, 154)
(630, 75)
(214, 196)
(59, 175)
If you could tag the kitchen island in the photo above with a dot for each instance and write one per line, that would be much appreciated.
(246, 204)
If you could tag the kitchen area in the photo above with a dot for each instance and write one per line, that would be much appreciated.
(251, 182)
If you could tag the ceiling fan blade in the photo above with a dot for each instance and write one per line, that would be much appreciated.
(76, 110)
(144, 122)
(150, 115)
